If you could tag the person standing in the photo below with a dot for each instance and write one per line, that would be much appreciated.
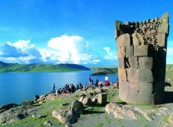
(106, 81)
(53, 88)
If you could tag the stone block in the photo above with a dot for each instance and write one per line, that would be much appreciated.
(145, 88)
(123, 40)
(145, 98)
(145, 62)
(132, 97)
(165, 18)
(133, 61)
(134, 86)
(118, 29)
(122, 74)
(145, 75)
(77, 106)
(121, 62)
(124, 90)
(137, 39)
(141, 50)
(129, 51)
(161, 39)
(102, 98)
(163, 28)
(133, 75)
(121, 52)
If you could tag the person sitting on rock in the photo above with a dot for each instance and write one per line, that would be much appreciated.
(81, 86)
(77, 87)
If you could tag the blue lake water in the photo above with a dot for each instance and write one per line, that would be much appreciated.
(18, 86)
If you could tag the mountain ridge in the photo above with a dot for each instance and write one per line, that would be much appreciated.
(15, 67)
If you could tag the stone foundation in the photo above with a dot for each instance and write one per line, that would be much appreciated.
(142, 59)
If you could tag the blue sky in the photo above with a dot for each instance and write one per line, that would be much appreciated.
(71, 31)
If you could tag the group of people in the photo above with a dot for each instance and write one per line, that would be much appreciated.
(70, 88)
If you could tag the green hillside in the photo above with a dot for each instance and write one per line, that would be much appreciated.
(104, 70)
(10, 67)
(169, 72)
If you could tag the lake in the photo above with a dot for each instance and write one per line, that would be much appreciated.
(18, 86)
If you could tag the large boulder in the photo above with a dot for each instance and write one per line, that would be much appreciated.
(87, 101)
(50, 97)
(64, 116)
(77, 107)
(102, 98)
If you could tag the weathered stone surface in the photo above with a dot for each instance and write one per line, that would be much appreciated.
(121, 62)
(164, 28)
(48, 123)
(128, 112)
(146, 62)
(141, 50)
(64, 116)
(144, 98)
(145, 75)
(121, 52)
(170, 119)
(132, 74)
(165, 18)
(146, 88)
(161, 39)
(102, 98)
(118, 27)
(122, 74)
(129, 51)
(15, 113)
(133, 61)
(137, 39)
(87, 101)
(142, 59)
(123, 40)
(133, 92)
(77, 106)
(124, 90)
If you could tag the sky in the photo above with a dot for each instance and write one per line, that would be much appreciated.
(71, 31)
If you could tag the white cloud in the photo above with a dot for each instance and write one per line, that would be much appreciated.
(62, 49)
(21, 51)
(23, 45)
(68, 49)
(110, 55)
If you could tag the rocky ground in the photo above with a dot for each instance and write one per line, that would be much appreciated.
(91, 107)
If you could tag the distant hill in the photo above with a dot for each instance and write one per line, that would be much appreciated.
(169, 72)
(104, 70)
(114, 70)
(14, 67)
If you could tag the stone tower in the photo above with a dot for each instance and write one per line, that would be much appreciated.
(142, 59)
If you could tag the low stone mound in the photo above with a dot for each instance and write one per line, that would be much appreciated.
(128, 112)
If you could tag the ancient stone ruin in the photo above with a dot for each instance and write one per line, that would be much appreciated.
(142, 59)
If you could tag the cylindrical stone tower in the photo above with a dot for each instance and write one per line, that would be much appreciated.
(142, 59)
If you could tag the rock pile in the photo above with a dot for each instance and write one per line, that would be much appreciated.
(44, 98)
(128, 112)
(70, 116)
(142, 59)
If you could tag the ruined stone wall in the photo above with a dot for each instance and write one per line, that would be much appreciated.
(142, 59)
